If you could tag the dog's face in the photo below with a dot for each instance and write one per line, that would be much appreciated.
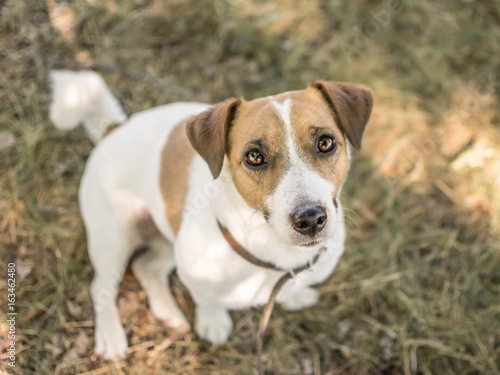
(287, 153)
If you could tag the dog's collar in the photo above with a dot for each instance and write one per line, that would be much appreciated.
(268, 309)
(256, 261)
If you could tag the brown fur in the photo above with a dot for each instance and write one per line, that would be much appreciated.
(176, 158)
(232, 127)
(311, 119)
(258, 120)
(352, 105)
(208, 132)
(110, 129)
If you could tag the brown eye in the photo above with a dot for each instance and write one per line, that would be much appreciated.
(255, 158)
(326, 144)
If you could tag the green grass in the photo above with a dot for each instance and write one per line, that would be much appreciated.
(418, 289)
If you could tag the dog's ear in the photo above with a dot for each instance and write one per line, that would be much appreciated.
(352, 105)
(208, 131)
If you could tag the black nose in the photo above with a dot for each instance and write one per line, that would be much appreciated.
(309, 220)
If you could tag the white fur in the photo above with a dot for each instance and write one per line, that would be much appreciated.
(121, 180)
(306, 297)
(83, 97)
(300, 185)
(284, 111)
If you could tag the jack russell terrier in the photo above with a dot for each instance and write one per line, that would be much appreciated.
(268, 172)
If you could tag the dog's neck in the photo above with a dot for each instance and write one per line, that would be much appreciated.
(251, 230)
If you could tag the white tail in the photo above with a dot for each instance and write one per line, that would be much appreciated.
(83, 97)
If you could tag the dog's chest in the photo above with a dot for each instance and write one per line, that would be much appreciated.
(214, 273)
(230, 281)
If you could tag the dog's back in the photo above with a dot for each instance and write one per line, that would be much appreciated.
(119, 188)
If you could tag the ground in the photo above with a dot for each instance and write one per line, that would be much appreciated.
(418, 289)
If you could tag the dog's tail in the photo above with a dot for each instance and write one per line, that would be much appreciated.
(83, 97)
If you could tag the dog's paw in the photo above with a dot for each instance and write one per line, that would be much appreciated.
(111, 341)
(302, 299)
(177, 323)
(172, 316)
(213, 324)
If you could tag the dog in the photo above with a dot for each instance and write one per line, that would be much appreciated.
(268, 171)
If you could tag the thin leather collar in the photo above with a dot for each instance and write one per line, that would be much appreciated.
(256, 261)
(268, 309)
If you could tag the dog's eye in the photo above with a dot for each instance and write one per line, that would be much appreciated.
(254, 158)
(327, 143)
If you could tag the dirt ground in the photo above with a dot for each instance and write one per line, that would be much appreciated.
(418, 288)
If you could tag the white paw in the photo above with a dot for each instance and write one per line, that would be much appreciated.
(213, 324)
(178, 323)
(302, 299)
(166, 310)
(110, 338)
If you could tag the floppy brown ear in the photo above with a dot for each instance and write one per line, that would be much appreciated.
(352, 105)
(208, 131)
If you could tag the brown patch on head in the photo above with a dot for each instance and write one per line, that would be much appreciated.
(176, 159)
(323, 109)
(312, 119)
(257, 126)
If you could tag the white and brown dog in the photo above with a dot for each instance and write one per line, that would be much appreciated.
(269, 170)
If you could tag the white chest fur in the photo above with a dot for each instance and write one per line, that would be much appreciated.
(213, 272)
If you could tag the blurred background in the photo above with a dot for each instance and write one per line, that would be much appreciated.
(418, 289)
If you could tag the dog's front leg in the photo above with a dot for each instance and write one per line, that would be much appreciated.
(213, 323)
(203, 266)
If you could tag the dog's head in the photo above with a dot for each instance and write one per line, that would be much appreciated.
(287, 153)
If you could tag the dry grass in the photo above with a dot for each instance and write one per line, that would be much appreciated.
(418, 289)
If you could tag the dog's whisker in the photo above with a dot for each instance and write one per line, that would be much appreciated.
(351, 221)
(354, 212)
